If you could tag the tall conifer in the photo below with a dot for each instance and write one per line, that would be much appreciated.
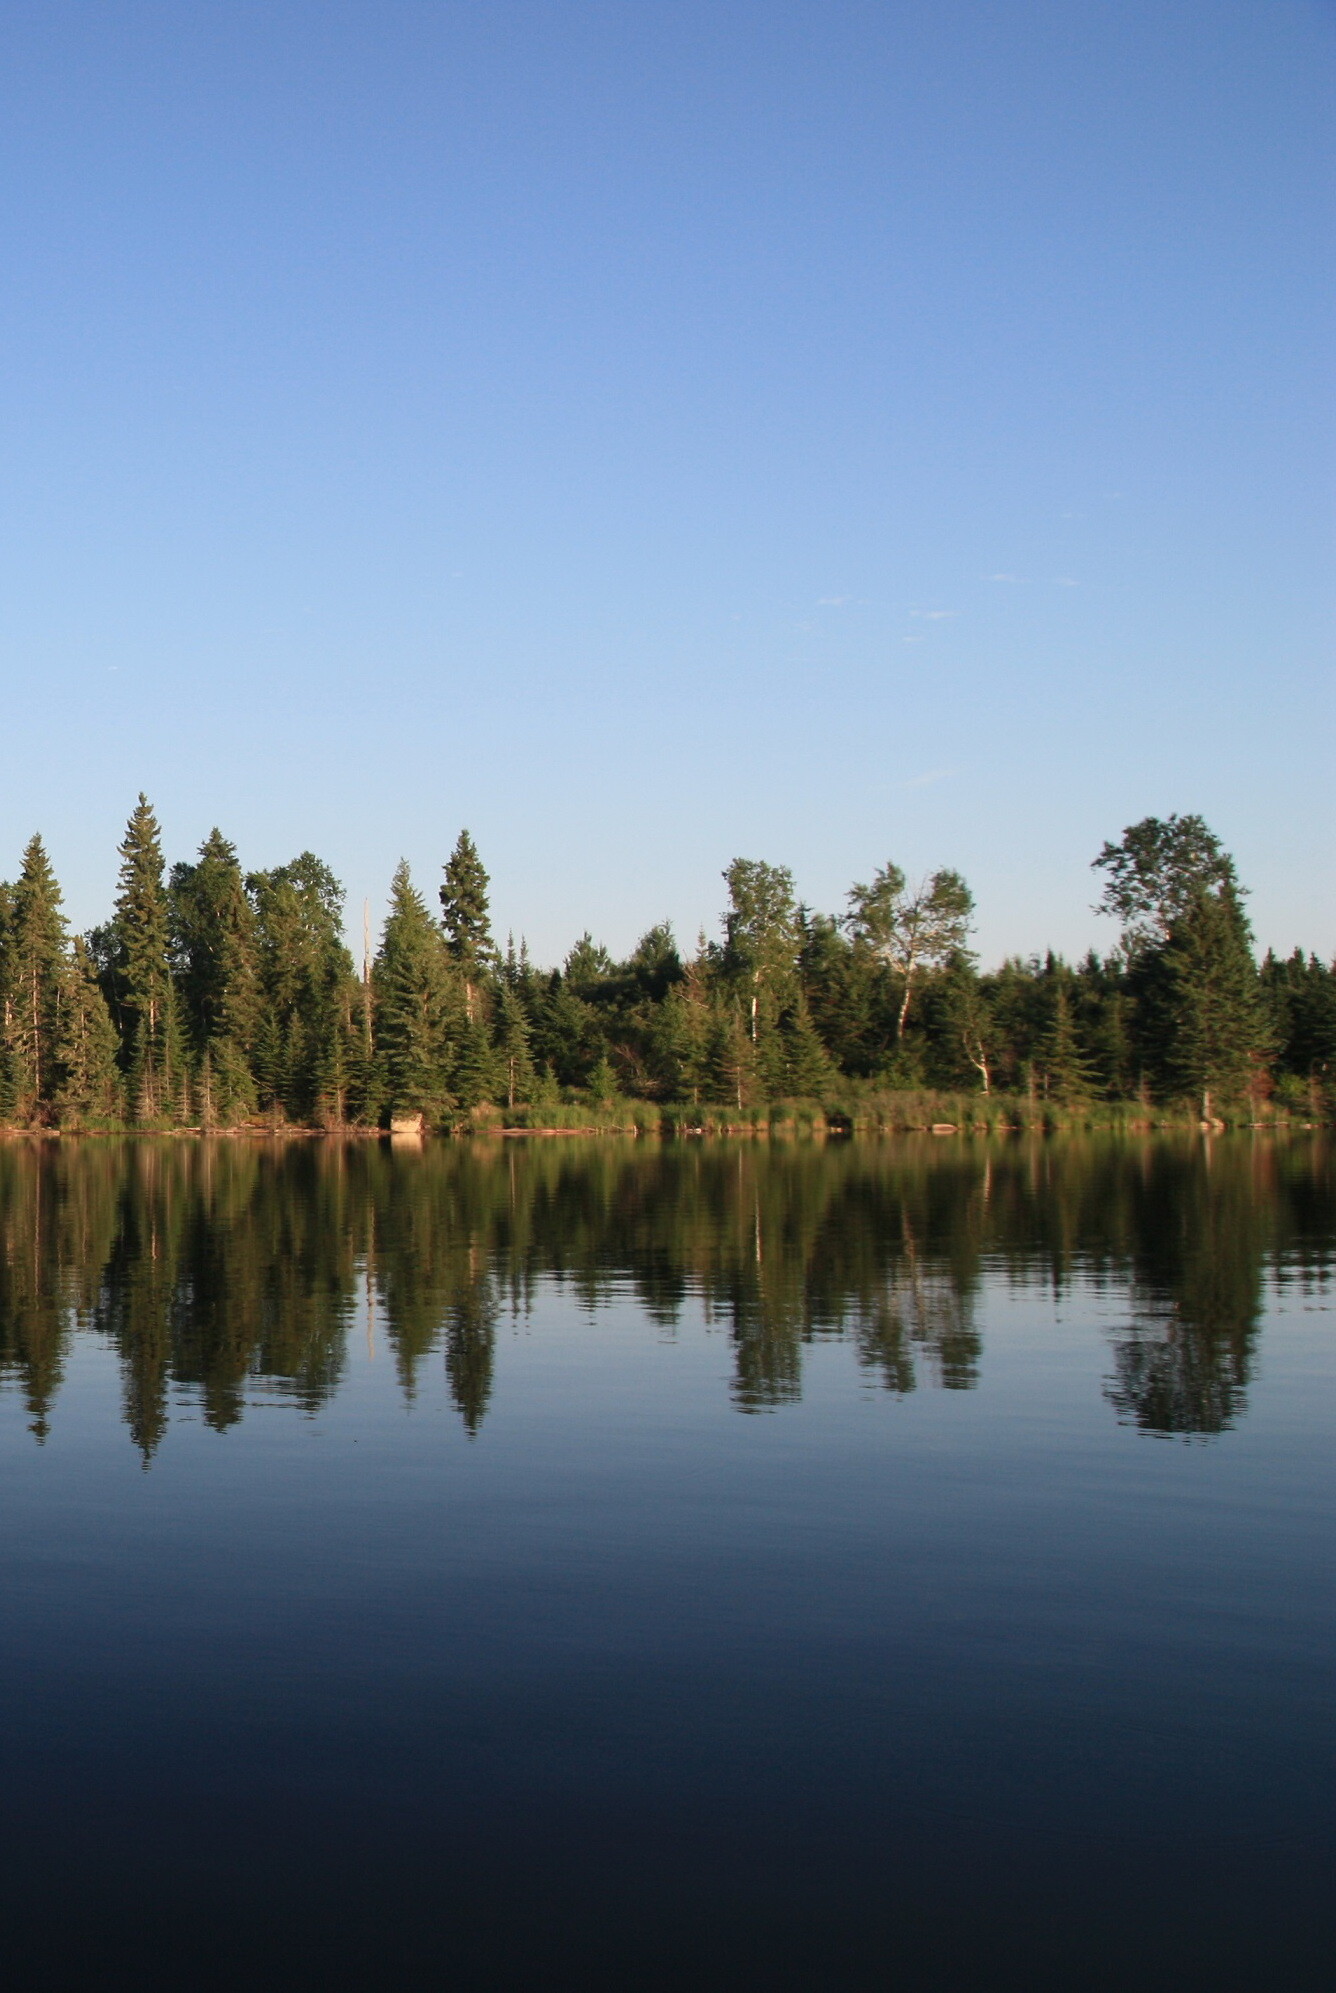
(89, 1088)
(465, 917)
(216, 945)
(413, 1005)
(37, 966)
(146, 996)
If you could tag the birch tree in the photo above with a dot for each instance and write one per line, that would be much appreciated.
(911, 930)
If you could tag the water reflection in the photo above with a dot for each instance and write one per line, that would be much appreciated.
(208, 1266)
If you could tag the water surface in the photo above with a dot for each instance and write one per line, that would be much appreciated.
(873, 1564)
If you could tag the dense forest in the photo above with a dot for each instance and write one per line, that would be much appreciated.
(215, 998)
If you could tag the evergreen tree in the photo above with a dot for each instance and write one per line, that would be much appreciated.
(89, 1088)
(512, 1044)
(466, 919)
(679, 1036)
(309, 1059)
(809, 1071)
(150, 1047)
(413, 1005)
(217, 949)
(1218, 1032)
(1068, 1071)
(36, 964)
(732, 1062)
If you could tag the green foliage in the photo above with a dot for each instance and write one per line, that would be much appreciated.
(1217, 1031)
(1157, 872)
(465, 916)
(415, 1001)
(312, 1059)
(35, 983)
(512, 1045)
(911, 931)
(145, 991)
(220, 997)
(89, 1089)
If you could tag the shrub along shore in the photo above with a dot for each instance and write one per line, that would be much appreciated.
(216, 1000)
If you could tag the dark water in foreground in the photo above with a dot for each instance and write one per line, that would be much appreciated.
(885, 1565)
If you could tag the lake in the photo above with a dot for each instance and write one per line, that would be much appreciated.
(861, 1564)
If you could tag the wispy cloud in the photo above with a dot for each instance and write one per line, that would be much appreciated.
(926, 780)
(933, 615)
(1020, 580)
(832, 601)
(1065, 581)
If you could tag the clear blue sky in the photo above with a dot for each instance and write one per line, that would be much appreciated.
(654, 433)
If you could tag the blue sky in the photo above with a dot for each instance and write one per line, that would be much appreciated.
(656, 433)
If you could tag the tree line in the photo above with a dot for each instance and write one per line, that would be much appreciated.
(214, 997)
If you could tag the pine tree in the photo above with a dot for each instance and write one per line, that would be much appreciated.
(465, 917)
(150, 1047)
(88, 1090)
(412, 988)
(37, 974)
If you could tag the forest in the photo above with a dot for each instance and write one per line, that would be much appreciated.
(215, 999)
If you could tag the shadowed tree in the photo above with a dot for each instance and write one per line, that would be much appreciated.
(89, 1084)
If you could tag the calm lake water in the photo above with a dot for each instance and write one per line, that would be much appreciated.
(873, 1564)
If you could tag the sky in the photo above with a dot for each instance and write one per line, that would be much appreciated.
(650, 433)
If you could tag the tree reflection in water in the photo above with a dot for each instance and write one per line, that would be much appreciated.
(216, 1267)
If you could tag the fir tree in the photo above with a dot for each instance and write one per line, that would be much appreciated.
(512, 1044)
(413, 1007)
(37, 974)
(465, 917)
(809, 1071)
(1218, 1032)
(141, 926)
(309, 1060)
(89, 1088)
(216, 946)
(1069, 1073)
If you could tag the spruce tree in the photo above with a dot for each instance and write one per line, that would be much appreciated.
(413, 1008)
(89, 1087)
(37, 969)
(216, 946)
(809, 1071)
(1218, 1030)
(465, 917)
(1069, 1072)
(512, 1045)
(150, 1048)
(309, 1059)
